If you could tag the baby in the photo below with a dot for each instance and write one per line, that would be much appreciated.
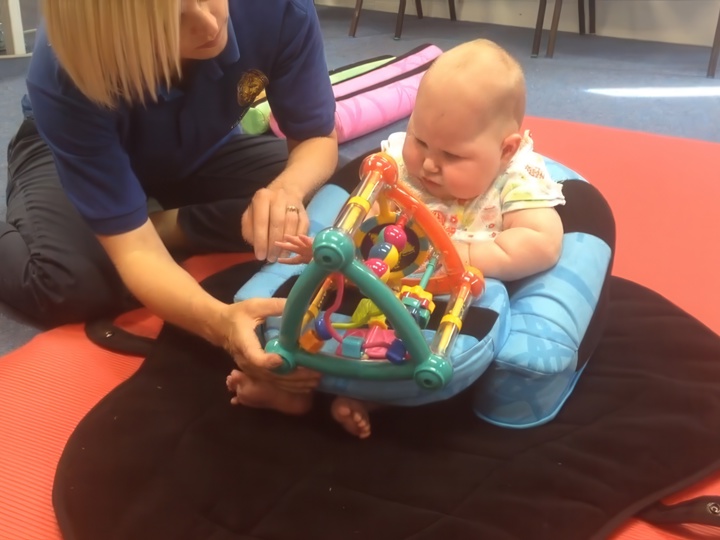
(466, 158)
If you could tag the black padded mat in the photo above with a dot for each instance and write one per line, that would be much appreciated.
(165, 456)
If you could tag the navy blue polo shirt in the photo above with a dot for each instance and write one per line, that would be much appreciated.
(104, 157)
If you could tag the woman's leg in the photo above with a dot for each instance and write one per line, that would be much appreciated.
(213, 199)
(53, 268)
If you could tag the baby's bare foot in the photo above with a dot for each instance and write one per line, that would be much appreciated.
(352, 415)
(261, 395)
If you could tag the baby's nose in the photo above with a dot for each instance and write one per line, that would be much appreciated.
(430, 165)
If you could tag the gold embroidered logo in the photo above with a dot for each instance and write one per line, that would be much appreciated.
(250, 85)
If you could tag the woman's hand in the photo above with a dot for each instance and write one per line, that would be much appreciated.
(273, 213)
(243, 344)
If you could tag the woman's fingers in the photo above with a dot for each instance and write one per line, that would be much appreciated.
(271, 216)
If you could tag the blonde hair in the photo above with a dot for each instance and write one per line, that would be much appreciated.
(482, 67)
(116, 50)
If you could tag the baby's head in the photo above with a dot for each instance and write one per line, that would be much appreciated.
(465, 126)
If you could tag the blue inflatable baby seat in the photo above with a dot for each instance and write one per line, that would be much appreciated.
(523, 345)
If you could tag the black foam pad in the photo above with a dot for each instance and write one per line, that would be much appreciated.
(166, 456)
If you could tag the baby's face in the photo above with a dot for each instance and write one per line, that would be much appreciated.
(448, 154)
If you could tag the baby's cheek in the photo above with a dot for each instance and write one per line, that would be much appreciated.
(411, 159)
(461, 186)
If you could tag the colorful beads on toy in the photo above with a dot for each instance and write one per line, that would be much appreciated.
(396, 352)
(386, 252)
(379, 268)
(367, 313)
(352, 346)
(321, 329)
(419, 304)
(310, 341)
(394, 235)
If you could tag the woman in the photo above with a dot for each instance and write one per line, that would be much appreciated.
(140, 100)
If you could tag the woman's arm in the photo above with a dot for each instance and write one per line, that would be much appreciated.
(310, 163)
(303, 104)
(267, 221)
(531, 241)
(170, 292)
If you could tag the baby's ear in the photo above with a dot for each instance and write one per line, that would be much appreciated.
(509, 146)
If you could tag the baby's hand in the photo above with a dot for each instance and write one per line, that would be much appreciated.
(300, 245)
(232, 383)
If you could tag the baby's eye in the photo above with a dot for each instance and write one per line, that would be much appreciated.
(451, 156)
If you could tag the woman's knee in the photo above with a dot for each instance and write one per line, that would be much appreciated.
(54, 291)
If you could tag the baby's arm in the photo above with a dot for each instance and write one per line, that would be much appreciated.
(301, 245)
(530, 242)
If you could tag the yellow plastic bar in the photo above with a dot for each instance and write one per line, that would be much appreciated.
(314, 307)
(451, 323)
(376, 172)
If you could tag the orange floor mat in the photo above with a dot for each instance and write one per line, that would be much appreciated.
(663, 192)
(48, 386)
(44, 393)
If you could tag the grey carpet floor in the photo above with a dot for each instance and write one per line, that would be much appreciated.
(561, 87)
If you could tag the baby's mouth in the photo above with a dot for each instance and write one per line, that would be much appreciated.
(432, 187)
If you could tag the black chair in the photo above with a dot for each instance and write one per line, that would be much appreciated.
(714, 53)
(556, 21)
(400, 15)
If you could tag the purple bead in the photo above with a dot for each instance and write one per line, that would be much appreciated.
(321, 329)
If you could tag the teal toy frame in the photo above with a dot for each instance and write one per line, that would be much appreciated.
(335, 254)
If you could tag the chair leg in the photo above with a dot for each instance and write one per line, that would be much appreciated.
(554, 29)
(538, 29)
(715, 52)
(399, 20)
(355, 18)
(418, 8)
(451, 5)
(591, 9)
(581, 16)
